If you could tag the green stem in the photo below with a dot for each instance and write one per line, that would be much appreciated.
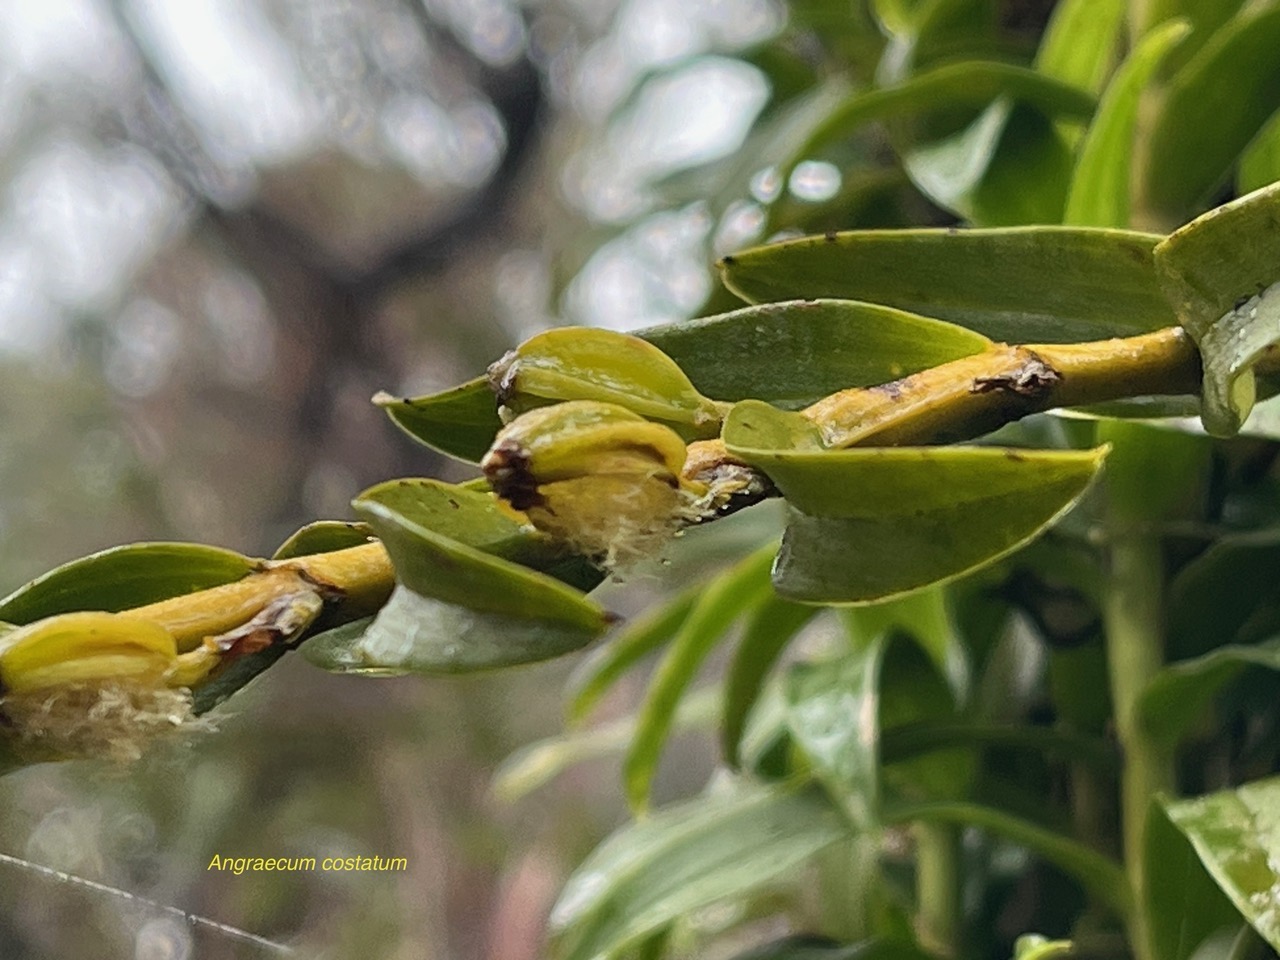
(938, 888)
(1132, 614)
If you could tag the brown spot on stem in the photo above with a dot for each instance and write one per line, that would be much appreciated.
(829, 236)
(1030, 378)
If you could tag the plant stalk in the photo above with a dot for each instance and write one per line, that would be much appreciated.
(938, 913)
(356, 581)
(1132, 614)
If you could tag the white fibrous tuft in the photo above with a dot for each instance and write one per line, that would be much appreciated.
(617, 521)
(110, 719)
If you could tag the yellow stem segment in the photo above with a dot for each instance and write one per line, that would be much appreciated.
(360, 578)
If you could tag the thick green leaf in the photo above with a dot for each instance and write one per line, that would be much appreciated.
(458, 608)
(418, 634)
(1260, 165)
(323, 536)
(796, 352)
(1214, 106)
(1236, 836)
(867, 524)
(631, 644)
(971, 83)
(1185, 906)
(476, 518)
(537, 764)
(1100, 185)
(123, 577)
(1010, 166)
(832, 718)
(1222, 273)
(770, 626)
(460, 422)
(1079, 42)
(721, 603)
(684, 858)
(1176, 697)
(993, 281)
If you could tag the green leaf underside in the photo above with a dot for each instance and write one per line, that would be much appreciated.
(721, 603)
(1222, 273)
(458, 607)
(687, 857)
(460, 422)
(123, 577)
(919, 515)
(417, 634)
(1100, 185)
(323, 536)
(1015, 284)
(1236, 835)
(1213, 107)
(1177, 695)
(796, 352)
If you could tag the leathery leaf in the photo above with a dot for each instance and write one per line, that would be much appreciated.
(460, 604)
(865, 524)
(796, 352)
(994, 281)
(460, 422)
(123, 577)
(1222, 274)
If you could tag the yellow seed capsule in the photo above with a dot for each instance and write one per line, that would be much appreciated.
(580, 363)
(82, 647)
(595, 475)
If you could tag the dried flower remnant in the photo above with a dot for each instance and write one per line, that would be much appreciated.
(596, 476)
